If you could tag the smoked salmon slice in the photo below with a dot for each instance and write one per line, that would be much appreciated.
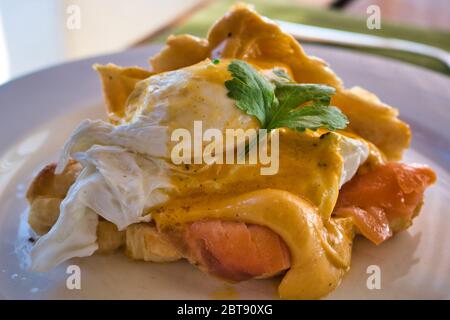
(236, 251)
(384, 200)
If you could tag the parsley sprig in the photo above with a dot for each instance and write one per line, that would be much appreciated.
(281, 103)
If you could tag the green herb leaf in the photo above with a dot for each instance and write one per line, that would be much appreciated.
(253, 93)
(283, 103)
(292, 95)
(280, 73)
(311, 117)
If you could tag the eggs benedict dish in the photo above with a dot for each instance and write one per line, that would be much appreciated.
(116, 185)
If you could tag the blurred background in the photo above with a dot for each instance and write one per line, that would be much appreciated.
(35, 34)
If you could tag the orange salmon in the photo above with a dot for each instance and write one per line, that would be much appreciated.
(236, 251)
(384, 200)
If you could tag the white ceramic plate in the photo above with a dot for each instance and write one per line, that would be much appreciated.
(40, 110)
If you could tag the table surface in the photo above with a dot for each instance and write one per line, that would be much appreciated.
(34, 34)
